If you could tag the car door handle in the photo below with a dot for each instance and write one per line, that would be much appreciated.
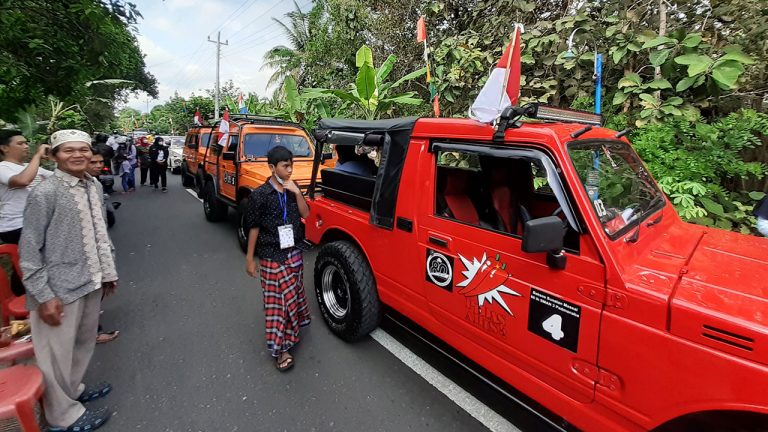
(438, 241)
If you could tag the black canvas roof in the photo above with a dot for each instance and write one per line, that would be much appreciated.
(397, 135)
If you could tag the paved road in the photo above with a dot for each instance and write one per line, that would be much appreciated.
(191, 353)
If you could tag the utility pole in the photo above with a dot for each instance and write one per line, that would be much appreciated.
(218, 43)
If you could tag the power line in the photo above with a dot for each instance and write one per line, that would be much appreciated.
(251, 37)
(233, 14)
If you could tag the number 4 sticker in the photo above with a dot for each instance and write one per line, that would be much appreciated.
(554, 326)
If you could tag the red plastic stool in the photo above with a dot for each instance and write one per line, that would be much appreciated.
(20, 388)
(17, 308)
(16, 351)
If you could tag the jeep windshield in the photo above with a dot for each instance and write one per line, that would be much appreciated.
(622, 192)
(257, 145)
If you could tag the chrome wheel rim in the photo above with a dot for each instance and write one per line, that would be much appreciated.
(335, 292)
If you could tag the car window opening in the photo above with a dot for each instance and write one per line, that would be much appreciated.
(499, 194)
(257, 145)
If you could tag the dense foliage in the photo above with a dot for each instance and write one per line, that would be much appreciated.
(82, 54)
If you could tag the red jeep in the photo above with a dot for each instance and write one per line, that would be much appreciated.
(546, 253)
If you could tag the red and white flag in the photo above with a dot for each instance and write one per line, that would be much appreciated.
(421, 30)
(224, 128)
(503, 86)
(197, 118)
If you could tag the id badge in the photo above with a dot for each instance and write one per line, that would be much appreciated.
(285, 233)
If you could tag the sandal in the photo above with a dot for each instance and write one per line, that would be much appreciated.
(105, 337)
(285, 364)
(90, 420)
(98, 391)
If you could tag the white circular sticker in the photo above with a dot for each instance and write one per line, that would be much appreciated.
(439, 269)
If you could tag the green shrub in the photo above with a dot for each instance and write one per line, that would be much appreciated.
(696, 165)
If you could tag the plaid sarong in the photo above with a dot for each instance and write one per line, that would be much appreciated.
(285, 304)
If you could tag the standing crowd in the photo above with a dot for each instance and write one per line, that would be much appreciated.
(59, 220)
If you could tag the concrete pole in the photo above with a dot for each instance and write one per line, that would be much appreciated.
(218, 43)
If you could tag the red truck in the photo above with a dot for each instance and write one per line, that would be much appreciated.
(546, 253)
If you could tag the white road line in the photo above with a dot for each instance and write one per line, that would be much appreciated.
(488, 417)
(194, 194)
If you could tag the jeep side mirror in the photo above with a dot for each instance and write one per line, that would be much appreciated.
(228, 156)
(326, 156)
(546, 235)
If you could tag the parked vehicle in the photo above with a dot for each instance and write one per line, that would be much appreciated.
(107, 179)
(175, 153)
(233, 170)
(195, 145)
(547, 254)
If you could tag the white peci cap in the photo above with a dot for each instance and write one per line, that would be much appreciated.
(69, 135)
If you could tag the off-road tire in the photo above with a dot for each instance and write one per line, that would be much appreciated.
(186, 180)
(199, 184)
(242, 235)
(214, 209)
(343, 260)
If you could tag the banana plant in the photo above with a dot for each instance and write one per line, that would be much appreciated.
(371, 92)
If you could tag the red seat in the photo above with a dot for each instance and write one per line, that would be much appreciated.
(20, 388)
(12, 306)
(456, 199)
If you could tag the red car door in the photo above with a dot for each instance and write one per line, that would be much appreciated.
(507, 309)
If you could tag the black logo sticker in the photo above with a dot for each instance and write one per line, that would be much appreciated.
(554, 319)
(440, 270)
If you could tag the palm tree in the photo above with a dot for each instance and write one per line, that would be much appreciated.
(289, 61)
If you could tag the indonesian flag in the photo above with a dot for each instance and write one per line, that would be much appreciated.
(224, 129)
(421, 30)
(241, 104)
(196, 119)
(503, 86)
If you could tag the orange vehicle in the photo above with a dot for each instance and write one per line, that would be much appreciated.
(195, 146)
(238, 165)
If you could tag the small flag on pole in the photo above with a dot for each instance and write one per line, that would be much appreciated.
(421, 36)
(503, 86)
(241, 104)
(224, 128)
(421, 30)
(197, 118)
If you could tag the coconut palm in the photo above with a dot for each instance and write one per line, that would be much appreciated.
(289, 60)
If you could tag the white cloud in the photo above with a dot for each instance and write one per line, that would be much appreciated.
(173, 36)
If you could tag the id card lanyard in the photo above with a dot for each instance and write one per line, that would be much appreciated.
(285, 232)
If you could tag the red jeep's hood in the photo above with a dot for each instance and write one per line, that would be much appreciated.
(722, 297)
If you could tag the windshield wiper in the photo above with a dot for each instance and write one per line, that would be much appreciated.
(650, 206)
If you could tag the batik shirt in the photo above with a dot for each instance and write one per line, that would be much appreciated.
(64, 249)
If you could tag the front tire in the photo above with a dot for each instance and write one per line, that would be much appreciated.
(346, 291)
(242, 234)
(214, 209)
(186, 180)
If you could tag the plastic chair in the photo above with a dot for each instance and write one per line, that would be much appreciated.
(16, 351)
(12, 306)
(21, 387)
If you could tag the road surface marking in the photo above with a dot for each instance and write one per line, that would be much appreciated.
(488, 417)
(194, 194)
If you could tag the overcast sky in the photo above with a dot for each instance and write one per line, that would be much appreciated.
(173, 37)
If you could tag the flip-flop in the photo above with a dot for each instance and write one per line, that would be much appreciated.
(90, 420)
(98, 391)
(284, 365)
(108, 336)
